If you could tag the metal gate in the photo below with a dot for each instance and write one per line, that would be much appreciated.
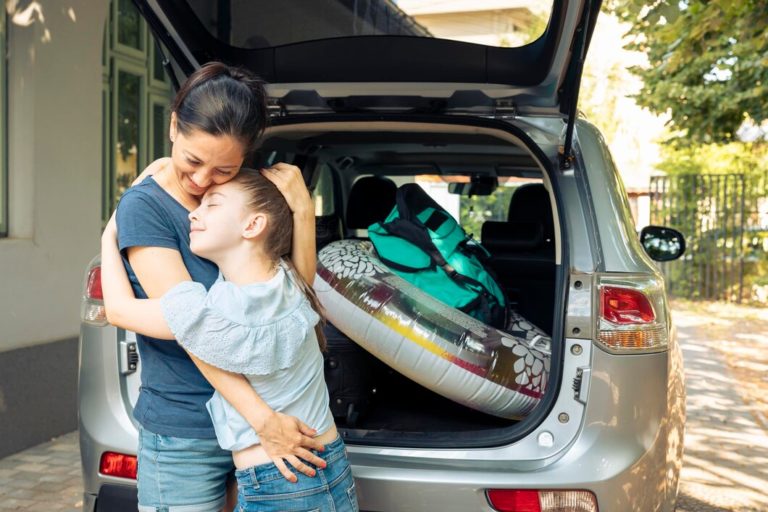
(710, 211)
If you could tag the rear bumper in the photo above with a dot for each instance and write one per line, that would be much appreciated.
(112, 498)
(626, 449)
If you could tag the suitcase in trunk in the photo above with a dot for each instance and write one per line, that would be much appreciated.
(350, 376)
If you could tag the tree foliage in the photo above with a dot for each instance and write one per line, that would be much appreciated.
(707, 63)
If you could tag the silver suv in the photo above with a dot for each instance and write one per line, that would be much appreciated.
(492, 134)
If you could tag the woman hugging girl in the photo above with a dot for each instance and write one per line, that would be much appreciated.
(252, 332)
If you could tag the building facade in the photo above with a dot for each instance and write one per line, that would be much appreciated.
(84, 107)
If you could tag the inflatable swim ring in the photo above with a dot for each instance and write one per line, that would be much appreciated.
(439, 347)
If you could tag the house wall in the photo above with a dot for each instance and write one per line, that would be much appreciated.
(54, 145)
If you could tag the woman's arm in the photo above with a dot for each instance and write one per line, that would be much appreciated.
(123, 309)
(287, 178)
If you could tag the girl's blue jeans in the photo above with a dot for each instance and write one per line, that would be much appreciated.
(264, 488)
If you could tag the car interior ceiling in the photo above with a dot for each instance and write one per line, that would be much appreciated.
(522, 246)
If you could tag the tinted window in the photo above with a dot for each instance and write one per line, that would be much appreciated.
(261, 24)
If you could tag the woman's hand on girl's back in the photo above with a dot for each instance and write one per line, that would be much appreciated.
(286, 438)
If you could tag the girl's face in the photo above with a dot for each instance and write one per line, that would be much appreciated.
(222, 222)
(201, 160)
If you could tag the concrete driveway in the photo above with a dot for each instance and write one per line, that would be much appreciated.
(726, 447)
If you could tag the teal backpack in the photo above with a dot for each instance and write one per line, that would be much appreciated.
(423, 244)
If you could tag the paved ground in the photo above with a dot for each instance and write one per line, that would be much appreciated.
(43, 478)
(726, 446)
(726, 443)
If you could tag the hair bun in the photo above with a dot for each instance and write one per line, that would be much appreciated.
(212, 100)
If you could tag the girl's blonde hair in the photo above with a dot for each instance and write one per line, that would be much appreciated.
(264, 197)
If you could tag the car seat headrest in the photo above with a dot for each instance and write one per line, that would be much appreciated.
(531, 203)
(370, 201)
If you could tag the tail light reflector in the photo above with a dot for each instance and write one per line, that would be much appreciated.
(118, 464)
(93, 287)
(632, 314)
(527, 500)
(92, 306)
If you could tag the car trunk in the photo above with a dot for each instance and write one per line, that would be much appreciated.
(398, 411)
(395, 409)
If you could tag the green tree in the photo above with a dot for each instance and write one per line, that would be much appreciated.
(707, 63)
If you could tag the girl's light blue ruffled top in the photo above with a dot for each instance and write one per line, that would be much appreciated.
(266, 332)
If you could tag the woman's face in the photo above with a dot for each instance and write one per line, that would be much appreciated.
(220, 222)
(201, 160)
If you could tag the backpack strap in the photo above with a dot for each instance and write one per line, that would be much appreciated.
(410, 201)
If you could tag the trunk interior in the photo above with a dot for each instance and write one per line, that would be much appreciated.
(346, 165)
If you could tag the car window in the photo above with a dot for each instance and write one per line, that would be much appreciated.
(322, 192)
(470, 212)
(267, 23)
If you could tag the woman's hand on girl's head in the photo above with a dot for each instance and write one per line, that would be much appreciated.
(285, 438)
(289, 181)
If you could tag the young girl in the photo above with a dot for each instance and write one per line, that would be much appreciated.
(259, 319)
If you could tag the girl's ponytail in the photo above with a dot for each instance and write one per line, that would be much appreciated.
(265, 197)
(313, 301)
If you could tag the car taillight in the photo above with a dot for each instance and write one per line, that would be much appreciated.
(93, 288)
(624, 306)
(118, 464)
(92, 308)
(632, 315)
(527, 500)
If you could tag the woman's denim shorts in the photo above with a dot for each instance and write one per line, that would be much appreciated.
(181, 475)
(264, 488)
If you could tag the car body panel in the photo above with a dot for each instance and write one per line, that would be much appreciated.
(105, 416)
(620, 452)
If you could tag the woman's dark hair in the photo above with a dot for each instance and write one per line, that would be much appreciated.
(264, 197)
(223, 100)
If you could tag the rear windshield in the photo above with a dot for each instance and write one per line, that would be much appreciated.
(254, 24)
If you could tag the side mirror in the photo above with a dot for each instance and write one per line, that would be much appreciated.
(661, 243)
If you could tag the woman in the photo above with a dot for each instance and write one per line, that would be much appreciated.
(217, 117)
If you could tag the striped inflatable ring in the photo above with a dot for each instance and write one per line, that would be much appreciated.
(435, 345)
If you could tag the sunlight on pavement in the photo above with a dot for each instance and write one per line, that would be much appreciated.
(726, 450)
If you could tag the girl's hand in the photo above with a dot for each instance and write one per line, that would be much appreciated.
(284, 438)
(152, 169)
(110, 230)
(288, 180)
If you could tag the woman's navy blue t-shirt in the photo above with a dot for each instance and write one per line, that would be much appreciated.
(173, 391)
